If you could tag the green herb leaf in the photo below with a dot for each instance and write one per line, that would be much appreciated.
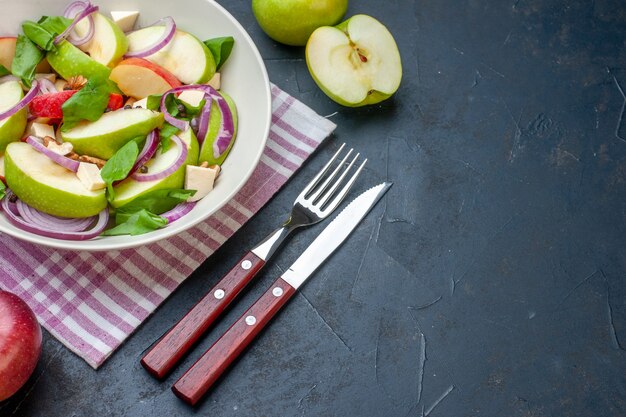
(27, 57)
(88, 104)
(4, 71)
(166, 133)
(136, 223)
(118, 167)
(158, 201)
(39, 35)
(221, 49)
(55, 24)
(2, 190)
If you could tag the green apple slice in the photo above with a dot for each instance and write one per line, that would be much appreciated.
(355, 63)
(108, 44)
(206, 151)
(129, 189)
(47, 186)
(11, 128)
(113, 130)
(185, 56)
(69, 61)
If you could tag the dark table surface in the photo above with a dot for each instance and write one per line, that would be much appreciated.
(489, 281)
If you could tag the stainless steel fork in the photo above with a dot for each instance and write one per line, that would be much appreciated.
(318, 199)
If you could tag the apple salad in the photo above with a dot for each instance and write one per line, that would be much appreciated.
(108, 129)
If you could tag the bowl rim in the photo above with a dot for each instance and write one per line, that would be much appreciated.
(99, 243)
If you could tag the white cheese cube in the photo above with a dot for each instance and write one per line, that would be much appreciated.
(39, 130)
(89, 175)
(62, 149)
(193, 97)
(125, 20)
(200, 179)
(143, 103)
(216, 81)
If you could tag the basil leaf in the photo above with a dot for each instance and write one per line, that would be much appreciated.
(136, 223)
(4, 71)
(27, 57)
(3, 190)
(221, 49)
(166, 133)
(157, 201)
(88, 104)
(55, 24)
(118, 167)
(40, 36)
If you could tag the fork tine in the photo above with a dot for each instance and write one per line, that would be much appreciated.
(320, 174)
(327, 195)
(328, 180)
(337, 200)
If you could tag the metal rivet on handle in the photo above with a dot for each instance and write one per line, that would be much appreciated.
(246, 264)
(277, 291)
(219, 294)
(250, 320)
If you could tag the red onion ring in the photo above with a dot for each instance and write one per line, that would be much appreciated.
(180, 160)
(87, 10)
(32, 93)
(177, 212)
(177, 123)
(48, 221)
(64, 161)
(227, 125)
(46, 86)
(13, 216)
(162, 42)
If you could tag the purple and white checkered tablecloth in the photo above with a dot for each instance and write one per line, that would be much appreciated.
(92, 302)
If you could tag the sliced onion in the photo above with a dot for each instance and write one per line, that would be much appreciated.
(177, 123)
(32, 93)
(227, 125)
(180, 160)
(57, 232)
(178, 211)
(46, 86)
(48, 221)
(87, 10)
(64, 161)
(162, 42)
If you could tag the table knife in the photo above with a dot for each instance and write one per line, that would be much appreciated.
(203, 374)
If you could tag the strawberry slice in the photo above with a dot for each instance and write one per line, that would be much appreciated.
(51, 104)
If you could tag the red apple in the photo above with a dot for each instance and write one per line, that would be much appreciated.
(139, 78)
(7, 53)
(20, 343)
(51, 104)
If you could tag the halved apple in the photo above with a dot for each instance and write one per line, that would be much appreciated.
(139, 78)
(129, 189)
(70, 61)
(185, 56)
(7, 53)
(108, 44)
(47, 186)
(12, 127)
(206, 151)
(113, 130)
(355, 63)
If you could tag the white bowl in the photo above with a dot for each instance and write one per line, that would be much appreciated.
(244, 79)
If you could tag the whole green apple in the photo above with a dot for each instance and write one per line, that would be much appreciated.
(292, 21)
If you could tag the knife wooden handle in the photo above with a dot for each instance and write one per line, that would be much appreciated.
(160, 360)
(203, 374)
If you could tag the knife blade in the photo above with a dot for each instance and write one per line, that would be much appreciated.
(213, 363)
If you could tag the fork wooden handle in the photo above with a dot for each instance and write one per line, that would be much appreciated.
(203, 374)
(160, 360)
